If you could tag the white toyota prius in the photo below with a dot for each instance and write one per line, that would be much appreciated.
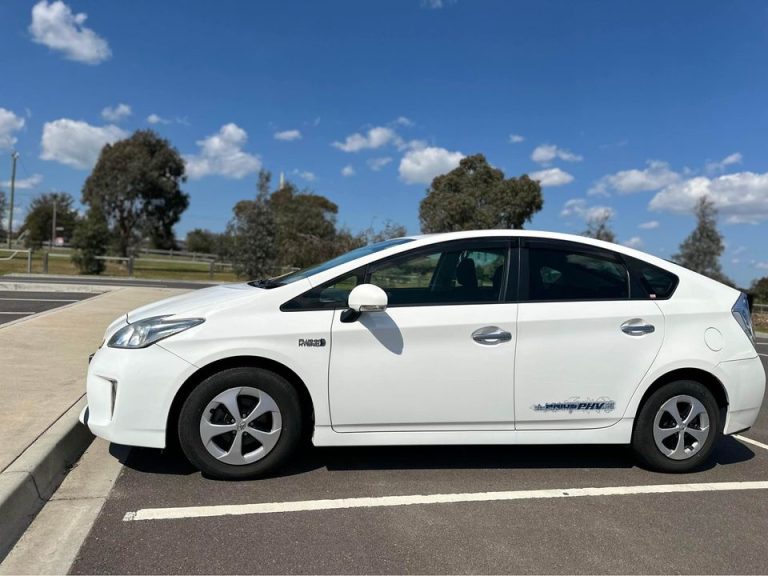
(484, 337)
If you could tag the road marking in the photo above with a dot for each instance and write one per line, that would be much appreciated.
(384, 501)
(761, 354)
(750, 441)
(18, 313)
(37, 300)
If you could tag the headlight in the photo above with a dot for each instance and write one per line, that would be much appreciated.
(150, 330)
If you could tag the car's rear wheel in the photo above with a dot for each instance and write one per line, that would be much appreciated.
(240, 423)
(677, 427)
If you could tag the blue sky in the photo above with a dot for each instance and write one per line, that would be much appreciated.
(634, 107)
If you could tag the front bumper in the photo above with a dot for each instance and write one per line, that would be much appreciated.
(130, 394)
(744, 382)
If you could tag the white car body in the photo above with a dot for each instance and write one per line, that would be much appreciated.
(414, 374)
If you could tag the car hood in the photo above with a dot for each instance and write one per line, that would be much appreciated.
(196, 300)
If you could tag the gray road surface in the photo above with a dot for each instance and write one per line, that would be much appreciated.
(21, 304)
(709, 532)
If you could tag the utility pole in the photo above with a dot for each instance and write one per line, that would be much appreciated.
(53, 226)
(14, 157)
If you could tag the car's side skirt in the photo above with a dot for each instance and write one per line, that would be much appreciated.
(619, 433)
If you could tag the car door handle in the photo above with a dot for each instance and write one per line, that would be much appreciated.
(637, 327)
(491, 335)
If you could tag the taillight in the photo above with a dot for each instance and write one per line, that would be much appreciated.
(743, 316)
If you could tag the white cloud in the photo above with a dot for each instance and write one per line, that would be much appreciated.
(374, 138)
(377, 164)
(288, 135)
(552, 177)
(155, 119)
(546, 153)
(54, 25)
(25, 183)
(651, 225)
(579, 208)
(403, 121)
(634, 242)
(436, 4)
(761, 265)
(221, 154)
(420, 166)
(116, 113)
(76, 143)
(516, 138)
(741, 197)
(305, 175)
(9, 123)
(655, 176)
(348, 170)
(731, 159)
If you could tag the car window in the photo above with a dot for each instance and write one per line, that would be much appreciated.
(453, 275)
(569, 274)
(658, 284)
(332, 294)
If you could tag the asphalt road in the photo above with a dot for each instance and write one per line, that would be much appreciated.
(111, 281)
(689, 532)
(21, 304)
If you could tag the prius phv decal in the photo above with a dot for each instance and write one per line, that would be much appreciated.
(575, 404)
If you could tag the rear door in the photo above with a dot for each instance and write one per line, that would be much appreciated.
(585, 340)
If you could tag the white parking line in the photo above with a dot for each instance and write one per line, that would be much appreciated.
(17, 313)
(37, 300)
(383, 501)
(750, 441)
(761, 354)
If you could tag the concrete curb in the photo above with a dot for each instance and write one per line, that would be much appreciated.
(30, 480)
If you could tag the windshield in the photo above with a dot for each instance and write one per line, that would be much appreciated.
(344, 258)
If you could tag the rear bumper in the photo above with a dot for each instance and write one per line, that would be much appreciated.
(744, 382)
(130, 394)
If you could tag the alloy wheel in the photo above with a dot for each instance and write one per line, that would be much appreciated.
(681, 427)
(240, 425)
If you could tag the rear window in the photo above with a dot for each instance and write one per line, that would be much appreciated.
(658, 284)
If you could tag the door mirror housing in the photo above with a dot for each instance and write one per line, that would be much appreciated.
(364, 298)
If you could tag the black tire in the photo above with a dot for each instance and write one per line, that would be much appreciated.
(277, 387)
(643, 441)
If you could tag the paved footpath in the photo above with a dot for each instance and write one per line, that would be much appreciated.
(44, 361)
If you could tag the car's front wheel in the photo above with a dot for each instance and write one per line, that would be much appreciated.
(677, 427)
(240, 423)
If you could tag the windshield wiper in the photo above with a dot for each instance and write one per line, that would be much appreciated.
(266, 283)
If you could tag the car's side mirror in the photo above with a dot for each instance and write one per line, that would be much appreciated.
(364, 298)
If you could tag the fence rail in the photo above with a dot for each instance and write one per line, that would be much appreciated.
(15, 252)
(760, 308)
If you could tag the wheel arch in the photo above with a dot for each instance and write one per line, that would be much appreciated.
(705, 378)
(307, 406)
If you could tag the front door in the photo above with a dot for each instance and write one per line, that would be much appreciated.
(441, 357)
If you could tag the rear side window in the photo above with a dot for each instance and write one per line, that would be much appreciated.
(564, 273)
(657, 284)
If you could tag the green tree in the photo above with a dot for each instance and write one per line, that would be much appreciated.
(759, 289)
(598, 226)
(39, 219)
(136, 187)
(305, 224)
(90, 240)
(201, 240)
(251, 234)
(390, 230)
(702, 249)
(477, 196)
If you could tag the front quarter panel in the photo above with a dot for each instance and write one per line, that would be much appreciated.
(301, 341)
